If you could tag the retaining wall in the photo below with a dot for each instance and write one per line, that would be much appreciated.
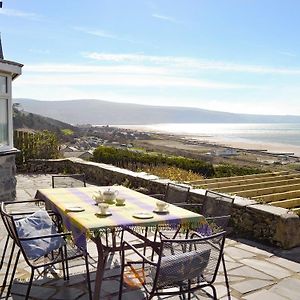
(266, 223)
(7, 177)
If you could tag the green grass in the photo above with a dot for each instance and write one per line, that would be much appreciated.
(67, 131)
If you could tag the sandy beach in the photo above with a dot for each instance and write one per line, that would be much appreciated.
(274, 148)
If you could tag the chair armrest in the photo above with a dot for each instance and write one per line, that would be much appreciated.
(195, 233)
(184, 204)
(221, 221)
(138, 253)
(65, 234)
(50, 212)
(158, 196)
(24, 201)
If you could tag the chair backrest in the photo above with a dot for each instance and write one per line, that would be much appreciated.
(9, 224)
(176, 193)
(193, 259)
(26, 233)
(70, 180)
(216, 204)
(218, 208)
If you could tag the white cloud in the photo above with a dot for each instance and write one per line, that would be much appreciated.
(165, 18)
(126, 80)
(78, 68)
(19, 14)
(190, 63)
(97, 32)
(105, 34)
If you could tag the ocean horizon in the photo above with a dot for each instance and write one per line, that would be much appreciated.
(277, 137)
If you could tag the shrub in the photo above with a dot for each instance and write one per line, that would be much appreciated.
(42, 145)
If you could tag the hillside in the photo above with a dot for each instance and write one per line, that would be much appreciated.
(31, 121)
(105, 112)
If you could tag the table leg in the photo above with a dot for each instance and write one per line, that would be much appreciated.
(102, 259)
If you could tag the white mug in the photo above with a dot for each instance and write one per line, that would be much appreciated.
(103, 208)
(161, 206)
(120, 201)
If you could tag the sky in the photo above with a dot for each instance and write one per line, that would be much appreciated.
(228, 55)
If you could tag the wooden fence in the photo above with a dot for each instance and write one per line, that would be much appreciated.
(40, 145)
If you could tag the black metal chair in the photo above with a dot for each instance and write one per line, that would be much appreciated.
(217, 209)
(56, 250)
(30, 206)
(174, 194)
(70, 180)
(181, 265)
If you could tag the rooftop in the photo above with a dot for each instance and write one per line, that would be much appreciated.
(255, 271)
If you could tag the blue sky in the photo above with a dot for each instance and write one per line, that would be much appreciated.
(226, 55)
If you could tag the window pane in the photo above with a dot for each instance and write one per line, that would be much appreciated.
(3, 85)
(3, 122)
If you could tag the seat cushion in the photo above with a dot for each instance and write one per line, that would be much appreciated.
(35, 225)
(177, 268)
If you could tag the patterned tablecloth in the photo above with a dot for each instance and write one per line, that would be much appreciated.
(87, 223)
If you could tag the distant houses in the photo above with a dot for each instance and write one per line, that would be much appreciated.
(86, 155)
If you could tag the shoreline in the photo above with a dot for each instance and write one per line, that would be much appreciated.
(276, 149)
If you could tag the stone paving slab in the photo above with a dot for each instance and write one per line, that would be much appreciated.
(267, 267)
(288, 287)
(265, 295)
(251, 285)
(255, 271)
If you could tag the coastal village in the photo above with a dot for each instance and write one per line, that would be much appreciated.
(125, 138)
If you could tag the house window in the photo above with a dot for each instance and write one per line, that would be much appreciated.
(3, 122)
(5, 112)
(3, 85)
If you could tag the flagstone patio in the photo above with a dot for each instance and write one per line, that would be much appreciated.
(255, 271)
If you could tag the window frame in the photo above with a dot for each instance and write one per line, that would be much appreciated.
(7, 97)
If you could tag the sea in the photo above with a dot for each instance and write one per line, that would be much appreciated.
(274, 137)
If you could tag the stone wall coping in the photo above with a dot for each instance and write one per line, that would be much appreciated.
(274, 210)
(242, 202)
(198, 191)
(12, 151)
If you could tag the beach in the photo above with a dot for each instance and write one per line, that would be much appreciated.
(214, 136)
(215, 147)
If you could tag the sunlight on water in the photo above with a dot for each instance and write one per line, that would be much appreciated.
(265, 133)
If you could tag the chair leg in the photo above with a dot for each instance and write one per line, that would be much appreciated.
(146, 235)
(189, 290)
(63, 263)
(13, 275)
(88, 278)
(4, 252)
(154, 240)
(226, 277)
(8, 266)
(29, 284)
(122, 274)
(66, 262)
(214, 292)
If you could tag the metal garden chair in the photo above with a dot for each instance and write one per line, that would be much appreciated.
(175, 194)
(30, 207)
(181, 265)
(70, 180)
(42, 247)
(217, 209)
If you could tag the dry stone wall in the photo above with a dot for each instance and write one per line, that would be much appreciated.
(7, 177)
(266, 223)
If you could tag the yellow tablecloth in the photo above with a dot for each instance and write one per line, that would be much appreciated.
(87, 223)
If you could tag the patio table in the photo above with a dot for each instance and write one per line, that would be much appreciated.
(87, 224)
